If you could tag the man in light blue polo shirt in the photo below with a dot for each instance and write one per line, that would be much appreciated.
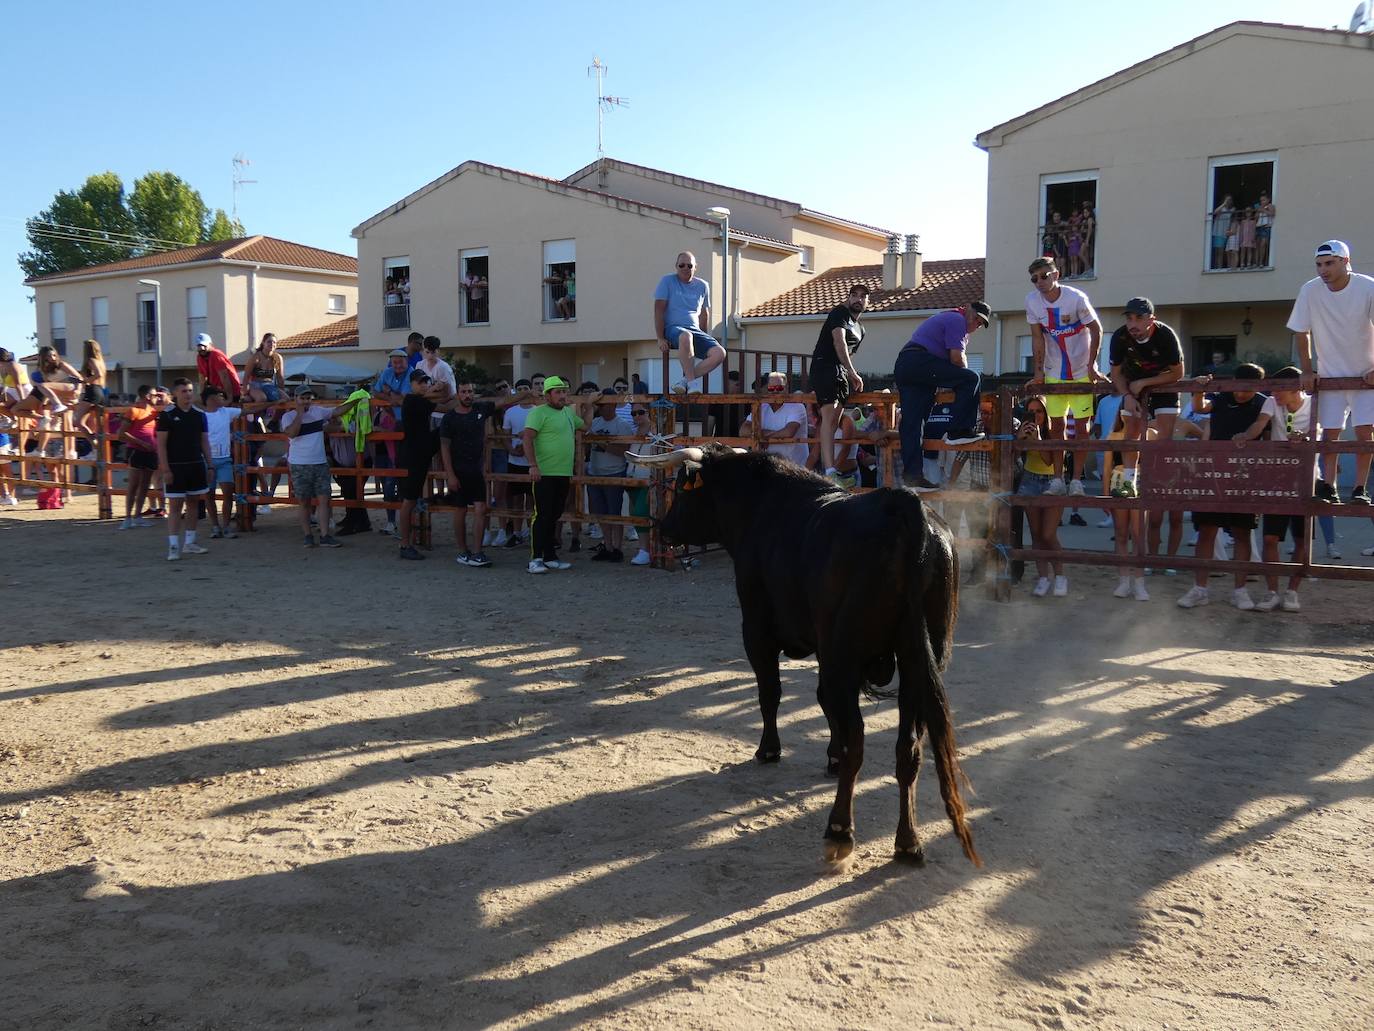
(391, 386)
(682, 311)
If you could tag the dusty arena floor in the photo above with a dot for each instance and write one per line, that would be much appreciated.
(272, 788)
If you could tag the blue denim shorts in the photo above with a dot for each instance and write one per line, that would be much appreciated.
(224, 470)
(702, 343)
(1033, 485)
(269, 389)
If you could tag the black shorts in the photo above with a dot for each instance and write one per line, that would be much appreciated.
(472, 489)
(1158, 402)
(1233, 520)
(188, 480)
(517, 488)
(829, 382)
(139, 459)
(1280, 525)
(94, 395)
(413, 485)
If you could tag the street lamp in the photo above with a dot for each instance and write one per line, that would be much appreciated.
(157, 321)
(722, 215)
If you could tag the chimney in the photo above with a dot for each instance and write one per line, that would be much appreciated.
(892, 261)
(911, 263)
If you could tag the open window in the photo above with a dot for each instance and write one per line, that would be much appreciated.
(396, 293)
(1240, 216)
(560, 280)
(475, 306)
(1068, 223)
(147, 321)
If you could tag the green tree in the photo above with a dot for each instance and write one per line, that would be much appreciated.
(55, 233)
(166, 209)
(222, 227)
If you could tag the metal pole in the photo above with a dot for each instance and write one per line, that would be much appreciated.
(724, 294)
(157, 327)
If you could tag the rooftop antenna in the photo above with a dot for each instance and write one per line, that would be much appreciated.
(603, 102)
(240, 163)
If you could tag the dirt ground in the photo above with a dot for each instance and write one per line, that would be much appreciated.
(272, 788)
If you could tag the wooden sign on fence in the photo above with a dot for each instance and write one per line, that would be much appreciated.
(1227, 475)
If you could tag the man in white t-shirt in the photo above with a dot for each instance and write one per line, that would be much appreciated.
(219, 417)
(437, 369)
(305, 426)
(1065, 338)
(1335, 313)
(517, 491)
(782, 421)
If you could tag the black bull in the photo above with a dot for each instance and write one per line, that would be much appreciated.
(868, 583)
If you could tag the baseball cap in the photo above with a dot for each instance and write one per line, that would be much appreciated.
(1334, 249)
(400, 352)
(418, 374)
(981, 309)
(305, 392)
(1140, 306)
(555, 383)
(205, 340)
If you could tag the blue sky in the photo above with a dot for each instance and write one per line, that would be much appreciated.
(865, 111)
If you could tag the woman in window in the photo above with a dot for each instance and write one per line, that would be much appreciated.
(1086, 224)
(1221, 225)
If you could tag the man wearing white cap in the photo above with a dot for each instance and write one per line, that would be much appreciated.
(215, 368)
(1335, 312)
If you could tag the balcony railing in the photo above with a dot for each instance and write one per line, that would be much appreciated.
(396, 316)
(147, 336)
(1073, 247)
(1237, 242)
(559, 303)
(476, 308)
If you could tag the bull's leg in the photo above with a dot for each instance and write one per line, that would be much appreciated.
(762, 651)
(834, 751)
(909, 731)
(842, 706)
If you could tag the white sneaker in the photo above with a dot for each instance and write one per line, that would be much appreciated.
(1241, 599)
(594, 534)
(1269, 602)
(641, 558)
(554, 563)
(1290, 602)
(487, 538)
(1367, 552)
(537, 566)
(10, 501)
(264, 510)
(1076, 489)
(1042, 587)
(631, 534)
(191, 548)
(127, 524)
(1061, 586)
(1333, 553)
(173, 554)
(1056, 487)
(1105, 523)
(1196, 596)
(1123, 588)
(1140, 594)
(499, 541)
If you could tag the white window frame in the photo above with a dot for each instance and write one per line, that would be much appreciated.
(341, 308)
(196, 323)
(100, 328)
(807, 259)
(1087, 175)
(1025, 353)
(1256, 158)
(57, 328)
(142, 298)
(464, 256)
(546, 291)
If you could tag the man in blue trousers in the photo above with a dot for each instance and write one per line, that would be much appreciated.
(933, 359)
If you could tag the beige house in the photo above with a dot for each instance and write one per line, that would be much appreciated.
(235, 290)
(1154, 151)
(615, 228)
(904, 291)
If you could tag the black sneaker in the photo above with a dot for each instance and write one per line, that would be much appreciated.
(480, 560)
(615, 556)
(1077, 520)
(411, 553)
(957, 437)
(329, 542)
(1326, 492)
(1359, 496)
(512, 541)
(919, 484)
(576, 545)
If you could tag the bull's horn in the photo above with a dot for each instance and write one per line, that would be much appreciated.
(669, 459)
(740, 450)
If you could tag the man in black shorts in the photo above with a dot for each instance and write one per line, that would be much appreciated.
(1145, 355)
(417, 450)
(461, 436)
(183, 456)
(833, 377)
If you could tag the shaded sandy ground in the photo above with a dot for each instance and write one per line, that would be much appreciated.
(270, 788)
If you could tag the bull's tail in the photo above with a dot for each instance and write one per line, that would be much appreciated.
(933, 706)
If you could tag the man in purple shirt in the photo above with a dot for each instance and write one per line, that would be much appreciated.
(933, 359)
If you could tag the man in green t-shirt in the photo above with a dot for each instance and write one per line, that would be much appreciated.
(550, 440)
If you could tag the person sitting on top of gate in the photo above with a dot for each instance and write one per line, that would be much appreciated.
(682, 314)
(1233, 414)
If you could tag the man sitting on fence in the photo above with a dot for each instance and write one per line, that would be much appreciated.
(682, 315)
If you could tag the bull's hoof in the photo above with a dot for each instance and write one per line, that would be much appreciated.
(839, 843)
(913, 855)
(769, 755)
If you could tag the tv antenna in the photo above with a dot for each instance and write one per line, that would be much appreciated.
(240, 163)
(603, 102)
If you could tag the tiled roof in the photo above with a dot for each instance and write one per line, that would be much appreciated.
(266, 250)
(749, 235)
(944, 284)
(343, 333)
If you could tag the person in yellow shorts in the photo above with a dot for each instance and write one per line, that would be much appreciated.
(1066, 336)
